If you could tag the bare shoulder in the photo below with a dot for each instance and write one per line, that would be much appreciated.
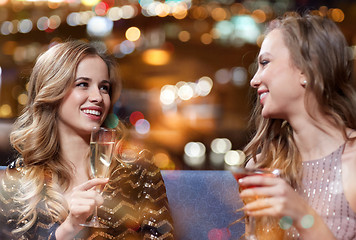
(348, 171)
(252, 162)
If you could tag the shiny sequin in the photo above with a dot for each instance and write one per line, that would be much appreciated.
(322, 189)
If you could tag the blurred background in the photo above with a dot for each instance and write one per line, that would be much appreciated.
(185, 65)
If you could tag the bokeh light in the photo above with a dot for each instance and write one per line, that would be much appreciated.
(128, 11)
(127, 47)
(6, 28)
(111, 121)
(73, 19)
(223, 76)
(285, 222)
(42, 23)
(199, 12)
(54, 22)
(337, 15)
(219, 234)
(185, 92)
(99, 26)
(115, 13)
(239, 76)
(168, 94)
(259, 16)
(206, 38)
(22, 99)
(25, 26)
(204, 86)
(184, 36)
(156, 57)
(180, 11)
(101, 8)
(218, 14)
(5, 111)
(162, 10)
(194, 149)
(142, 126)
(133, 34)
(221, 145)
(90, 3)
(234, 157)
(163, 161)
(307, 221)
(194, 154)
(135, 116)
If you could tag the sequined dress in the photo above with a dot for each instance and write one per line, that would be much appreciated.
(135, 207)
(322, 188)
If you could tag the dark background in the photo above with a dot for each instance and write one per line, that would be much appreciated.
(224, 113)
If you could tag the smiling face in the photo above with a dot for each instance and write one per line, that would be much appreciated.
(278, 82)
(87, 103)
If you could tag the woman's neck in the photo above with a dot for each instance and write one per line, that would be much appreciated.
(75, 152)
(317, 139)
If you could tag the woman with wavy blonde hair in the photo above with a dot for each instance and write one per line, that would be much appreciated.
(305, 126)
(47, 192)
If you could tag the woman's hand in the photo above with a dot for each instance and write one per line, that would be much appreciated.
(276, 198)
(84, 198)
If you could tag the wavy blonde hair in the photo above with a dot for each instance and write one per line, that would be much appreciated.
(318, 48)
(35, 132)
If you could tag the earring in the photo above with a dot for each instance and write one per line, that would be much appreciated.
(304, 83)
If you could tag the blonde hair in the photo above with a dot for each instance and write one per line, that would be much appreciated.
(319, 49)
(35, 132)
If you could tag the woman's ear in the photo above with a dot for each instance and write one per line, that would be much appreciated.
(303, 80)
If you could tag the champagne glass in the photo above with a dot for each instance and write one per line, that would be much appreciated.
(240, 172)
(102, 143)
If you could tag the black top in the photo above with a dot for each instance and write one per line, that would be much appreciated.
(135, 206)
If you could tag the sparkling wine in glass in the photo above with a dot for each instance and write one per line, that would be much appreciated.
(102, 143)
(240, 172)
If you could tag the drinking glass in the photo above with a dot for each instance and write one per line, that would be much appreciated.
(240, 172)
(102, 143)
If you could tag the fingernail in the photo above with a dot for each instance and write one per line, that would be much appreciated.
(241, 180)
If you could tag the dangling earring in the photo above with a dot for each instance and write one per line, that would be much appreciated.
(304, 83)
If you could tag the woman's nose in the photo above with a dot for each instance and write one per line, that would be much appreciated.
(95, 95)
(255, 82)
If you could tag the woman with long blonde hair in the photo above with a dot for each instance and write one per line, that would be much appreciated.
(47, 192)
(305, 123)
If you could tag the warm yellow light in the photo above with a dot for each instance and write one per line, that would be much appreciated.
(206, 38)
(161, 160)
(179, 11)
(199, 12)
(337, 15)
(184, 36)
(259, 16)
(156, 57)
(133, 34)
(53, 4)
(218, 14)
(22, 99)
(90, 3)
(5, 110)
(162, 10)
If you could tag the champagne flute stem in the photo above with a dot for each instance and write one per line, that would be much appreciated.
(251, 228)
(95, 216)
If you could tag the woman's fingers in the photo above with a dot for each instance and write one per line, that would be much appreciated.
(258, 180)
(92, 183)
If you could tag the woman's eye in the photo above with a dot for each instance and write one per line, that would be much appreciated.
(264, 62)
(105, 88)
(82, 84)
